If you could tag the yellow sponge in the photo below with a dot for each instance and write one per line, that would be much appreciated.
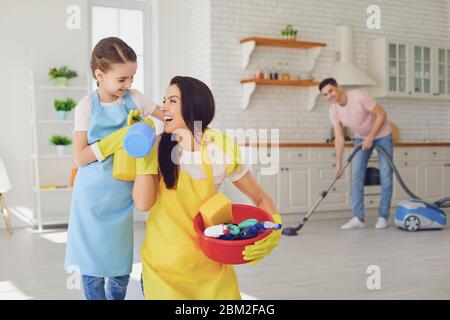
(216, 210)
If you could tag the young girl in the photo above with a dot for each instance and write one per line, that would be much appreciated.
(100, 234)
(173, 265)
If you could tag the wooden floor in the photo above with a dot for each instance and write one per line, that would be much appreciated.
(322, 262)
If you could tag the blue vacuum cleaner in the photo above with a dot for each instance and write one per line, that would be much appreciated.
(411, 215)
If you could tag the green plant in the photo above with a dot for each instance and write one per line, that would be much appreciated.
(289, 32)
(63, 72)
(64, 105)
(60, 140)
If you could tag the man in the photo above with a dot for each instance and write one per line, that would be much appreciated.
(357, 110)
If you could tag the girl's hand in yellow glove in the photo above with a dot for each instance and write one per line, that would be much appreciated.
(112, 142)
(255, 252)
(135, 114)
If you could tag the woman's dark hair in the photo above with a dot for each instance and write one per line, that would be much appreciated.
(326, 81)
(109, 51)
(197, 104)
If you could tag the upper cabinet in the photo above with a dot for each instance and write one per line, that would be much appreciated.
(422, 72)
(443, 66)
(409, 69)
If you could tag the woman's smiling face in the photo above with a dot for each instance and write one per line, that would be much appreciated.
(171, 109)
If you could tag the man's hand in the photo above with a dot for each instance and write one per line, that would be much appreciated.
(367, 143)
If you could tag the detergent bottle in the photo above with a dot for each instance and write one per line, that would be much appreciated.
(137, 143)
(124, 166)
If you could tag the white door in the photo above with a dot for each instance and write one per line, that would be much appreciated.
(296, 181)
(422, 72)
(272, 185)
(410, 175)
(447, 179)
(442, 87)
(397, 69)
(433, 183)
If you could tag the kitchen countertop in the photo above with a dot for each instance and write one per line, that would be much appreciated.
(319, 144)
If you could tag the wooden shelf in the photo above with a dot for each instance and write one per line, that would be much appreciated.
(271, 42)
(55, 188)
(249, 87)
(297, 83)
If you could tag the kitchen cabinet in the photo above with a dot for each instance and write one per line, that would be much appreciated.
(295, 192)
(422, 72)
(304, 172)
(409, 69)
(447, 178)
(433, 178)
(288, 188)
(443, 71)
(388, 62)
(272, 184)
(409, 171)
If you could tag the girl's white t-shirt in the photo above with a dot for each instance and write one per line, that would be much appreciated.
(83, 110)
(189, 162)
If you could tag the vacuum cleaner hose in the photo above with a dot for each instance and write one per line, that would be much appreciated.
(443, 203)
(397, 174)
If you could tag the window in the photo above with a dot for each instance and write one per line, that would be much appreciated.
(123, 22)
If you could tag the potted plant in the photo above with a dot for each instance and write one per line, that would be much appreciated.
(60, 142)
(63, 107)
(289, 33)
(62, 75)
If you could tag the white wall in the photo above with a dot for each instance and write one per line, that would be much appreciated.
(285, 108)
(33, 34)
(173, 43)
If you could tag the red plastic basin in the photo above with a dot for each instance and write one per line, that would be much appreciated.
(230, 251)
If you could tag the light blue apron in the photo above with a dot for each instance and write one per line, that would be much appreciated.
(100, 234)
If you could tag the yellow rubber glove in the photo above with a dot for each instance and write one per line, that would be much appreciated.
(133, 113)
(149, 163)
(255, 252)
(112, 142)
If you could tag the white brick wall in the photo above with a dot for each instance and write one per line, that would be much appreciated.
(285, 108)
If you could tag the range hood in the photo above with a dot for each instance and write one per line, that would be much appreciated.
(344, 70)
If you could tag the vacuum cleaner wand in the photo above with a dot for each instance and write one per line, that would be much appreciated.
(294, 231)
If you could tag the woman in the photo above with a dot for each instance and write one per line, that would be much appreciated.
(174, 267)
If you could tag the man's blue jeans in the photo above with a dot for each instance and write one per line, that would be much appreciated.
(94, 287)
(359, 166)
